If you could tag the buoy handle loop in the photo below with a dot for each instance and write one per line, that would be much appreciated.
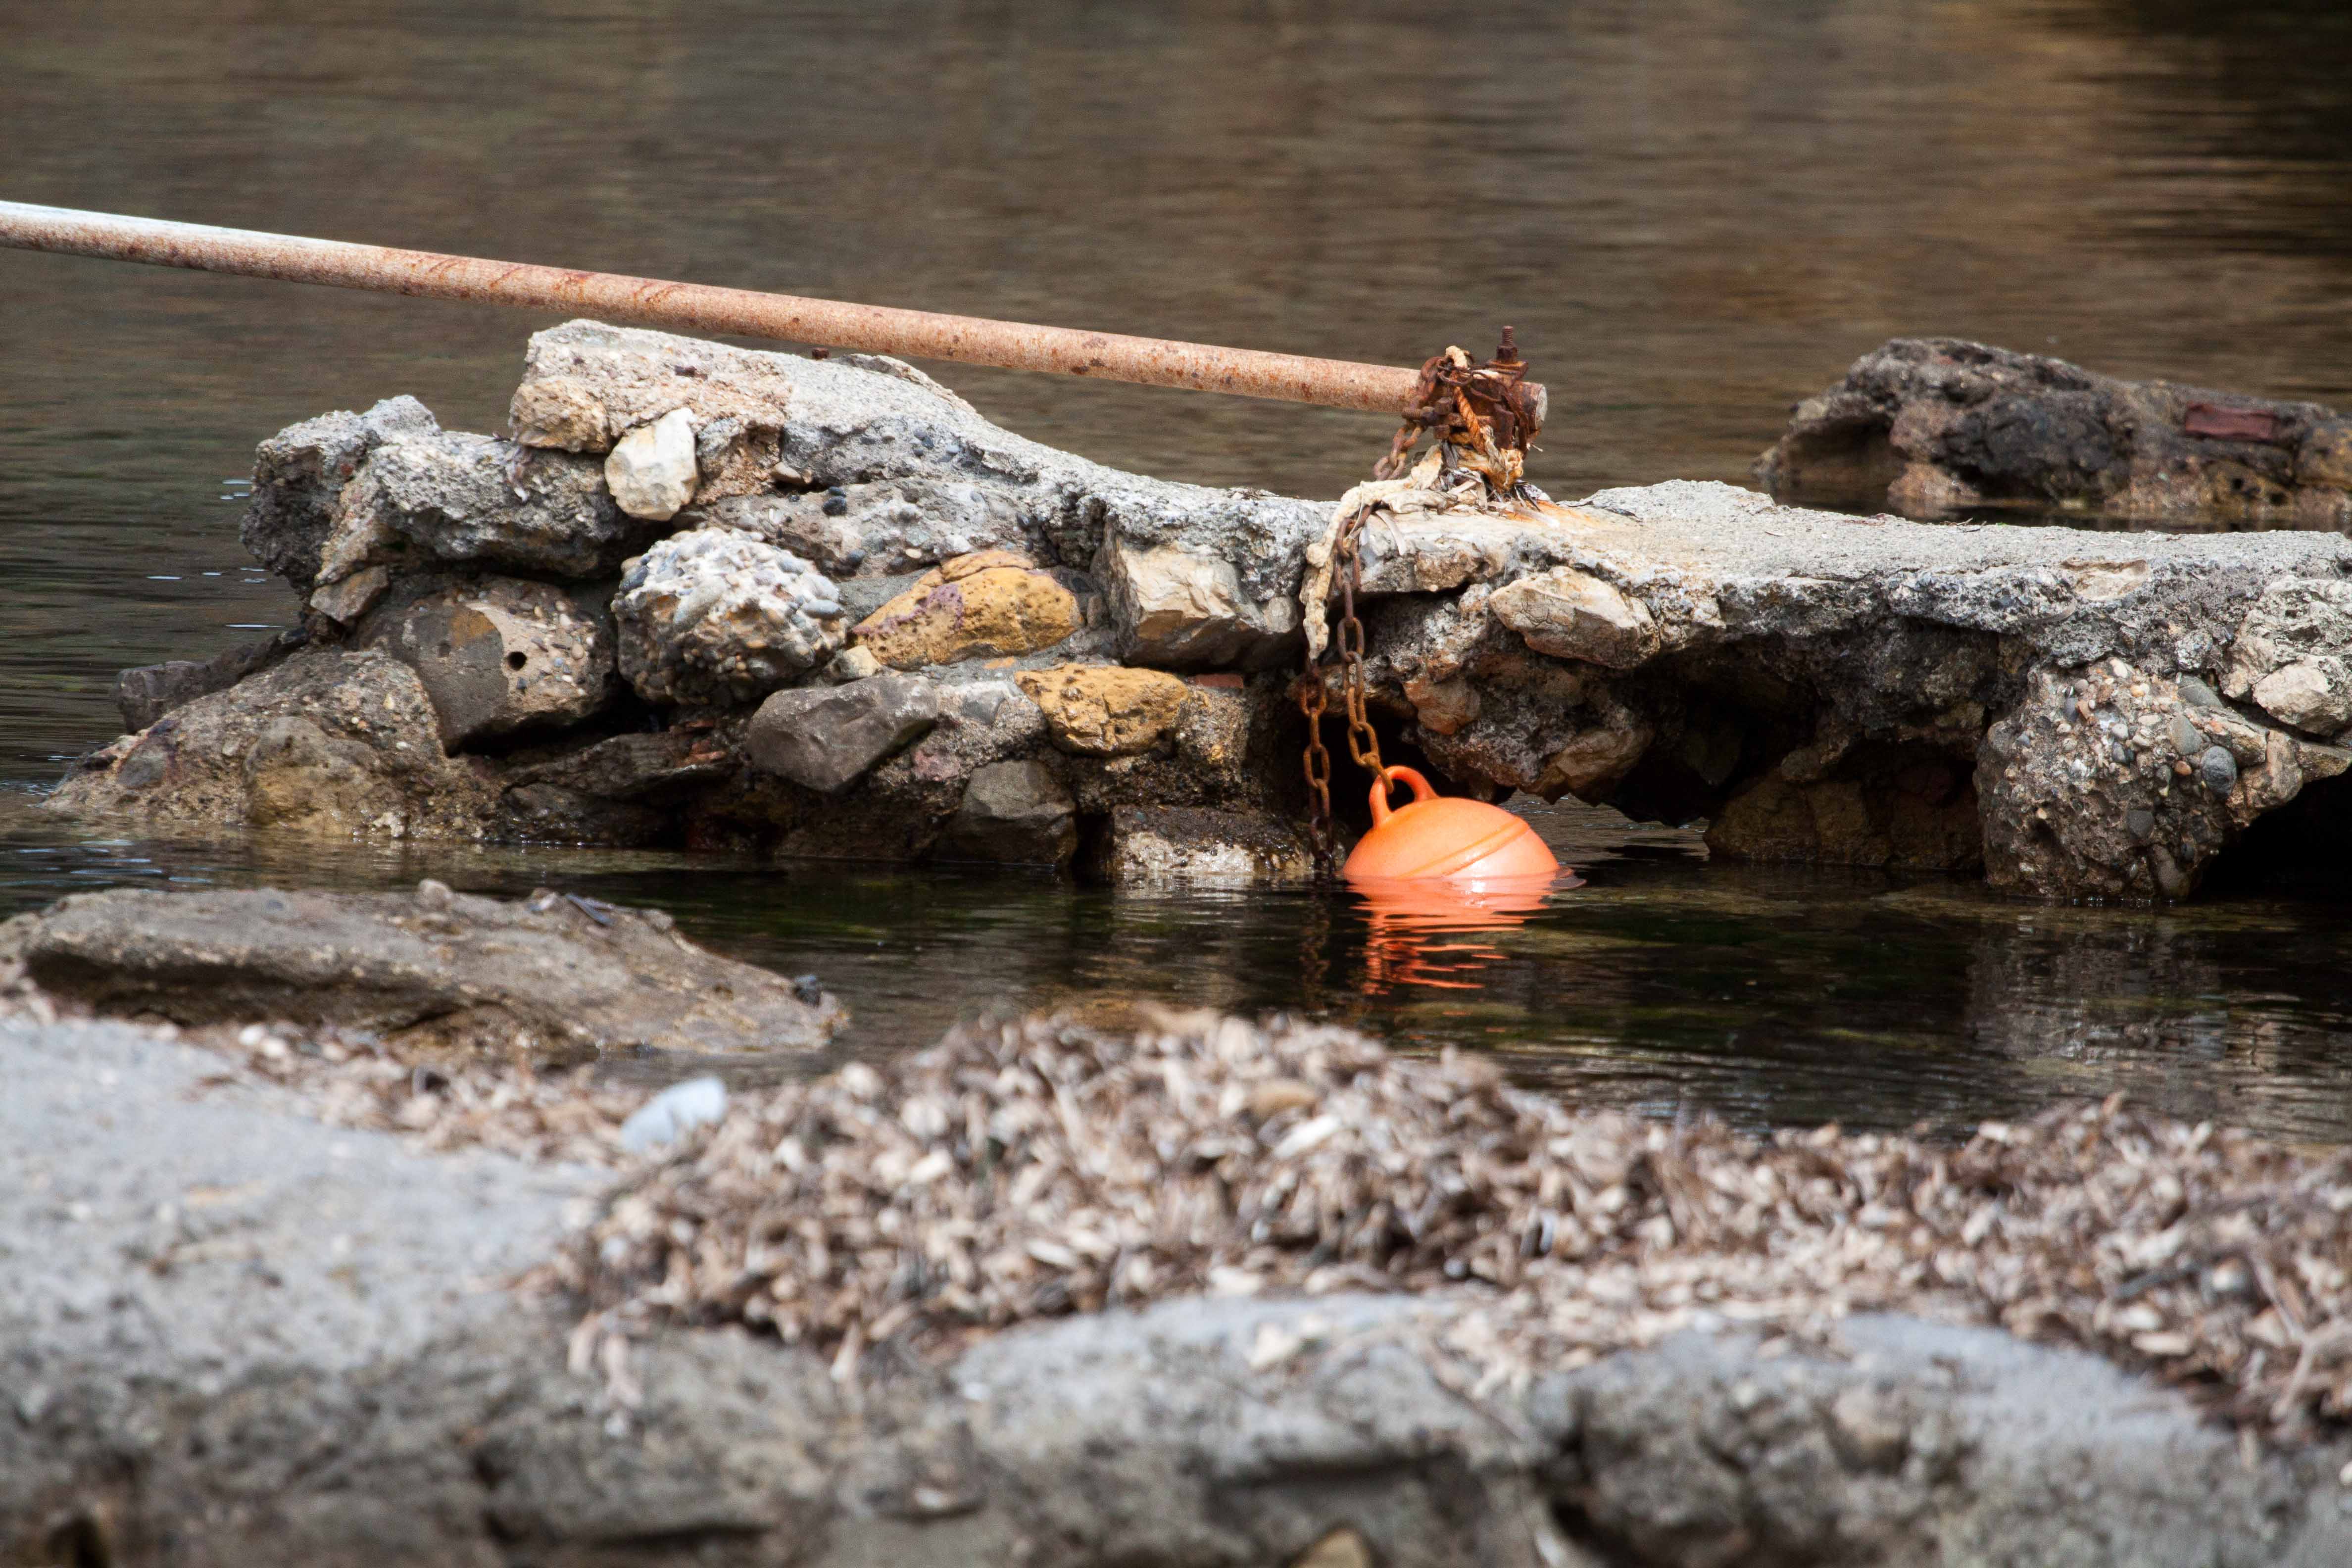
(1421, 790)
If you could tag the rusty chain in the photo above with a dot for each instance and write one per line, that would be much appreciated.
(1484, 416)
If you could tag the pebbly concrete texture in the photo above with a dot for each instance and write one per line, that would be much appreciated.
(231, 1334)
(2015, 702)
(1932, 426)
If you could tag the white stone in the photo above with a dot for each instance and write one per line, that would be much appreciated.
(1568, 614)
(673, 1113)
(2300, 694)
(651, 468)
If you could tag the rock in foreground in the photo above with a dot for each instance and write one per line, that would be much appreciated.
(392, 1405)
(556, 978)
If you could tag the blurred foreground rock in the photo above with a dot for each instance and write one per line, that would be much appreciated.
(555, 979)
(230, 1333)
(870, 597)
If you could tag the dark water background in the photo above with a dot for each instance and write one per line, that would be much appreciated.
(1695, 213)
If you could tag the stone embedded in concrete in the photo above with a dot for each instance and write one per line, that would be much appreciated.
(825, 738)
(345, 601)
(1568, 614)
(500, 653)
(561, 412)
(1147, 845)
(2291, 652)
(652, 471)
(473, 500)
(299, 473)
(736, 456)
(558, 978)
(1186, 609)
(887, 526)
(1931, 426)
(327, 743)
(988, 605)
(2087, 789)
(716, 617)
(585, 383)
(1015, 814)
(1104, 710)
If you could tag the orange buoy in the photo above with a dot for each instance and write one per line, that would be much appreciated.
(1446, 837)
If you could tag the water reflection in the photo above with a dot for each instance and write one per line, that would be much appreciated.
(1666, 984)
(1422, 931)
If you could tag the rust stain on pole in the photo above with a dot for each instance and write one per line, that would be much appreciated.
(870, 329)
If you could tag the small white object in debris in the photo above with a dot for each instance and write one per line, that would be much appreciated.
(673, 1113)
(651, 469)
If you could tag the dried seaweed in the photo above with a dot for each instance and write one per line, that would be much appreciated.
(1037, 1168)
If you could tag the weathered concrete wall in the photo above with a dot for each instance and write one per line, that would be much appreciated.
(869, 599)
(230, 1335)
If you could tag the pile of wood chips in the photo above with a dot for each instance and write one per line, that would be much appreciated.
(1024, 1170)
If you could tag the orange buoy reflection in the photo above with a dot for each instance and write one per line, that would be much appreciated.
(1424, 931)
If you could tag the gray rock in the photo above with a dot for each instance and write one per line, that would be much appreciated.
(299, 473)
(945, 481)
(477, 501)
(1145, 846)
(652, 471)
(661, 765)
(497, 654)
(825, 738)
(1015, 814)
(327, 743)
(145, 694)
(2218, 769)
(888, 527)
(1931, 426)
(712, 616)
(673, 1113)
(562, 978)
(394, 1405)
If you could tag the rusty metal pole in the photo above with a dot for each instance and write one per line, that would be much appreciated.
(871, 329)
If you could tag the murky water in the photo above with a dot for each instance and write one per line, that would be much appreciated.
(1694, 214)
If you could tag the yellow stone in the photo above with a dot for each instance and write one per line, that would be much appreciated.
(1106, 710)
(990, 603)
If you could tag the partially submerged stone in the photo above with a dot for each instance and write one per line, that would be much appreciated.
(145, 694)
(1013, 814)
(552, 979)
(1146, 846)
(1933, 425)
(327, 743)
(717, 617)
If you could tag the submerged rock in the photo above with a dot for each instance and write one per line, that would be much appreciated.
(1013, 814)
(553, 979)
(327, 743)
(1933, 425)
(1142, 846)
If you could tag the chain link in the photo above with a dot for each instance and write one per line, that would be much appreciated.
(1483, 417)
